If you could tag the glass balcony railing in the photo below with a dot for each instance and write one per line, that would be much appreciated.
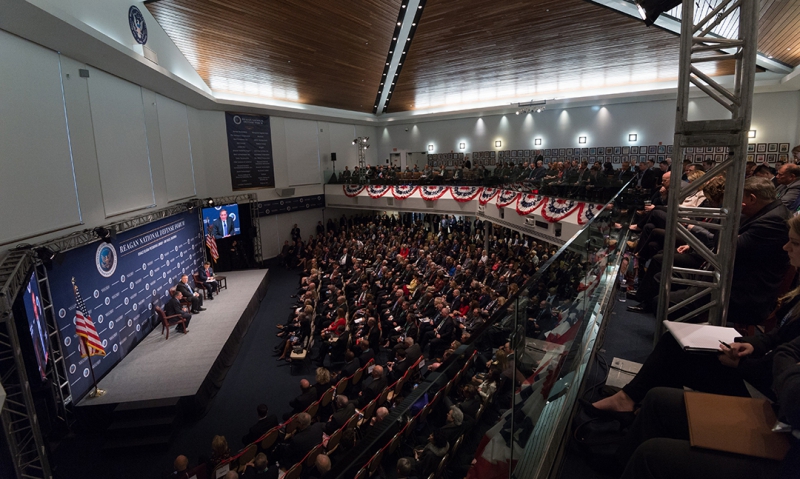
(532, 354)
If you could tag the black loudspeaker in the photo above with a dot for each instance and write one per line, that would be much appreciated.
(333, 157)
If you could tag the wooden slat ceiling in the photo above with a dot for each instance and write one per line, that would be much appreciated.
(779, 30)
(484, 50)
(317, 52)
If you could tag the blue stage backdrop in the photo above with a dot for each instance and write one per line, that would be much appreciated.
(120, 282)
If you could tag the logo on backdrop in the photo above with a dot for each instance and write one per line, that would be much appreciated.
(237, 119)
(106, 259)
(138, 27)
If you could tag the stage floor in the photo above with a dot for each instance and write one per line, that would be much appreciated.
(158, 368)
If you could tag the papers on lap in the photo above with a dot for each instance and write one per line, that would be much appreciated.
(700, 337)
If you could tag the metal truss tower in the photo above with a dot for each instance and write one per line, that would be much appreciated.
(698, 45)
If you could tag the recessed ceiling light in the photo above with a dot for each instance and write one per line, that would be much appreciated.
(399, 23)
(404, 53)
(419, 7)
(390, 51)
(387, 63)
(408, 39)
(413, 24)
(402, 6)
(394, 38)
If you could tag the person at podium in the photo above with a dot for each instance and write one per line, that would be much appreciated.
(206, 275)
(222, 227)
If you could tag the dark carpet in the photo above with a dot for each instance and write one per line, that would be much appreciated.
(255, 377)
(627, 336)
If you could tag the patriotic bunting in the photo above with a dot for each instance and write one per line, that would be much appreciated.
(527, 204)
(432, 193)
(487, 194)
(587, 211)
(376, 191)
(352, 190)
(556, 209)
(464, 193)
(402, 192)
(505, 198)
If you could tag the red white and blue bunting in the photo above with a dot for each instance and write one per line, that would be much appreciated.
(402, 192)
(556, 209)
(487, 194)
(376, 191)
(432, 193)
(527, 204)
(505, 198)
(352, 191)
(464, 193)
(587, 211)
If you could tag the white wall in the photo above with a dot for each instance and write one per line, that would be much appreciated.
(775, 118)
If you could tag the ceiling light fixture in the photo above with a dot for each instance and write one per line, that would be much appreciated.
(462, 145)
(751, 133)
(633, 137)
(650, 10)
(498, 144)
(430, 147)
(537, 141)
(582, 139)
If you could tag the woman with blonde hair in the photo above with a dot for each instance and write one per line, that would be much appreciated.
(219, 451)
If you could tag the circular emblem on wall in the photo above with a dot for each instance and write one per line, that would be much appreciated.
(147, 286)
(150, 305)
(72, 369)
(122, 279)
(100, 318)
(130, 323)
(105, 343)
(114, 348)
(62, 313)
(67, 341)
(96, 294)
(237, 119)
(138, 27)
(126, 301)
(138, 327)
(106, 259)
(111, 325)
(131, 285)
(107, 301)
(86, 372)
(144, 266)
(135, 306)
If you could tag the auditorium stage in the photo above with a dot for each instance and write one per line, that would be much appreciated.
(189, 366)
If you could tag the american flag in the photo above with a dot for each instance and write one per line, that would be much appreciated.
(212, 246)
(85, 328)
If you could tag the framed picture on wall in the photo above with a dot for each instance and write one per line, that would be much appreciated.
(592, 159)
(761, 158)
(616, 159)
(492, 154)
(751, 148)
(751, 157)
(547, 152)
(783, 157)
(772, 158)
(784, 148)
(651, 158)
(651, 150)
(617, 150)
(709, 149)
(601, 150)
(584, 151)
(527, 153)
(626, 158)
(772, 148)
(626, 150)
(688, 149)
(592, 151)
(569, 151)
(719, 149)
(761, 148)
(562, 151)
(719, 157)
(585, 158)
(669, 149)
(513, 153)
(662, 149)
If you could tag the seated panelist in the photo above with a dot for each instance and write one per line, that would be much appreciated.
(174, 307)
(206, 275)
(189, 293)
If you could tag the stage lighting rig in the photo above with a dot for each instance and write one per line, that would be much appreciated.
(362, 145)
(531, 107)
(105, 234)
(651, 9)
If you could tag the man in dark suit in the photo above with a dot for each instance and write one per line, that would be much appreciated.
(344, 411)
(351, 364)
(261, 469)
(367, 354)
(307, 396)
(372, 386)
(646, 177)
(174, 307)
(189, 293)
(413, 351)
(266, 421)
(222, 227)
(304, 438)
(206, 275)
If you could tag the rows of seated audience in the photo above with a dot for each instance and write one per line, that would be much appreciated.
(383, 303)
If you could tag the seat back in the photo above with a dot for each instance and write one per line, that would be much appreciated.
(294, 471)
(457, 445)
(352, 422)
(394, 443)
(161, 315)
(269, 438)
(375, 462)
(442, 465)
(384, 395)
(327, 397)
(356, 378)
(369, 410)
(333, 441)
(341, 386)
(311, 458)
(362, 473)
(247, 455)
(313, 408)
(291, 424)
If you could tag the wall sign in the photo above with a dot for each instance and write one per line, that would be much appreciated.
(250, 151)
(137, 24)
(276, 207)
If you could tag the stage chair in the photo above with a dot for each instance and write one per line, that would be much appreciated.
(198, 285)
(167, 321)
(222, 469)
(410, 426)
(352, 422)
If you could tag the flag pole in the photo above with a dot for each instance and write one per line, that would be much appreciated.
(97, 391)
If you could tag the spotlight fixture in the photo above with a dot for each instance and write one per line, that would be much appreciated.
(365, 139)
(105, 234)
(537, 141)
(582, 139)
(531, 106)
(461, 146)
(355, 141)
(633, 137)
(47, 256)
(498, 144)
(751, 133)
(651, 9)
(208, 202)
(430, 147)
(516, 112)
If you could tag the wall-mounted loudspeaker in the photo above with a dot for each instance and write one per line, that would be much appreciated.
(333, 157)
(284, 192)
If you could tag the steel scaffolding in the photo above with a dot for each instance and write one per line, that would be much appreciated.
(714, 278)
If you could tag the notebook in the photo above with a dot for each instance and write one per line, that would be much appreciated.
(700, 337)
(734, 424)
